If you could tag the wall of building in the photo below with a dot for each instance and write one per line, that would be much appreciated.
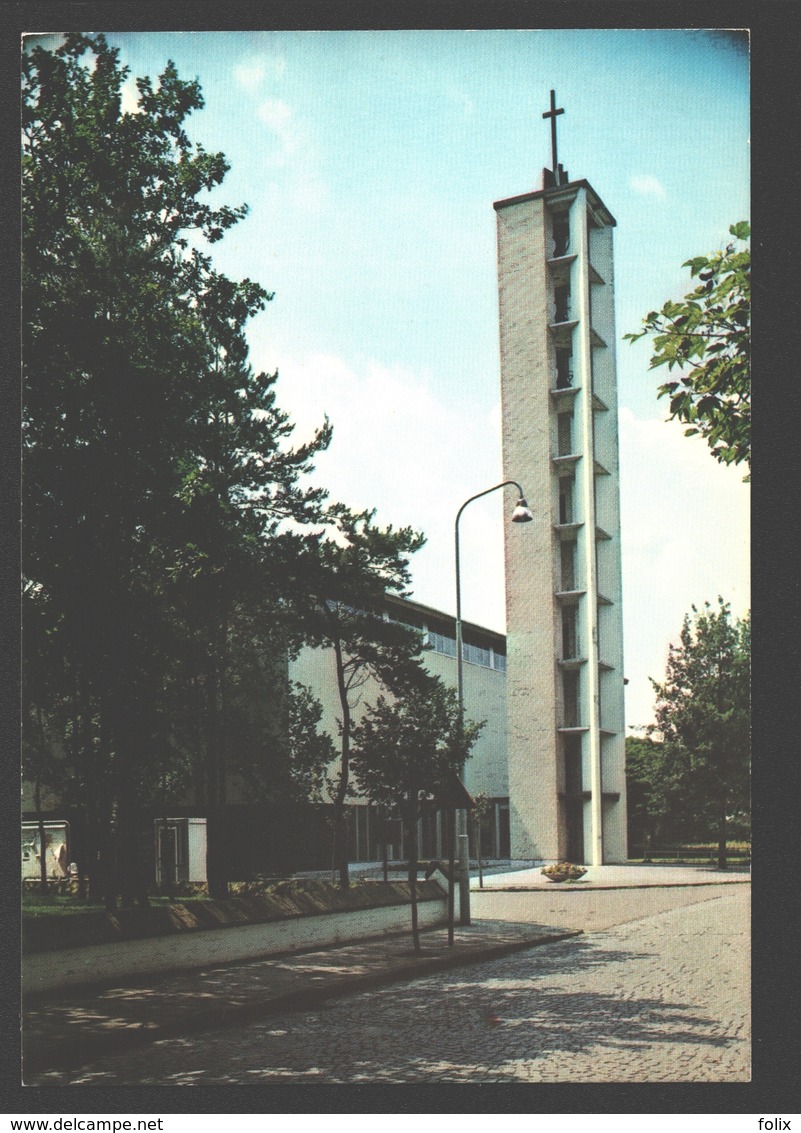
(532, 690)
(484, 698)
(610, 583)
(264, 839)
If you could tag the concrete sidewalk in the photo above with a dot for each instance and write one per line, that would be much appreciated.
(619, 877)
(68, 1030)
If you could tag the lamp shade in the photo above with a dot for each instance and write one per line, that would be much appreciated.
(522, 512)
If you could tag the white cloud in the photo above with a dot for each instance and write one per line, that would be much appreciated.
(685, 540)
(397, 444)
(292, 157)
(685, 536)
(647, 185)
(129, 102)
(276, 114)
(280, 120)
(251, 73)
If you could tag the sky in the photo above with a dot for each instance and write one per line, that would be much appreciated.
(370, 162)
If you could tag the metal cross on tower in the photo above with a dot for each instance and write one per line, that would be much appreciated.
(552, 113)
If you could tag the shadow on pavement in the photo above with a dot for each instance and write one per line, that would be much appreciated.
(456, 1022)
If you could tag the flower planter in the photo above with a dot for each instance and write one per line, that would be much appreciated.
(563, 871)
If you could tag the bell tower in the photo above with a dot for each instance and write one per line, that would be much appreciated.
(566, 730)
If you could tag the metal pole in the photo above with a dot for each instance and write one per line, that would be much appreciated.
(464, 864)
(464, 878)
(451, 870)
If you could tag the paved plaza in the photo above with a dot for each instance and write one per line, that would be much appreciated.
(645, 876)
(655, 990)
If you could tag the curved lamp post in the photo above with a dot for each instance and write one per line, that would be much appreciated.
(521, 514)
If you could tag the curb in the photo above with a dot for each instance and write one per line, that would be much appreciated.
(54, 1054)
(90, 985)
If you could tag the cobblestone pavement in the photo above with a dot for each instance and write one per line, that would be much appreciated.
(664, 998)
(588, 909)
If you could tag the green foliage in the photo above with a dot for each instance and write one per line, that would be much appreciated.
(653, 794)
(311, 752)
(700, 762)
(159, 473)
(351, 572)
(707, 336)
(407, 749)
(483, 808)
(348, 575)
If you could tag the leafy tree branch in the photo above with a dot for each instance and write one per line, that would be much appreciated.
(707, 337)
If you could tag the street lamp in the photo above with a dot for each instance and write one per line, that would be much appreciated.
(521, 514)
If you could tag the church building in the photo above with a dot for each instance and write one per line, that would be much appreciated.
(550, 760)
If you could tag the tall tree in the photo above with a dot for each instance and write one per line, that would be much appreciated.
(407, 749)
(157, 467)
(655, 795)
(233, 556)
(483, 809)
(703, 718)
(707, 336)
(106, 357)
(352, 572)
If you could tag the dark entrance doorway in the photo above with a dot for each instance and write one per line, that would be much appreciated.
(575, 831)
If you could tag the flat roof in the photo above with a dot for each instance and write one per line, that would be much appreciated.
(430, 612)
(556, 191)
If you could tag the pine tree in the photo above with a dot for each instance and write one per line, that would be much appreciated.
(351, 572)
